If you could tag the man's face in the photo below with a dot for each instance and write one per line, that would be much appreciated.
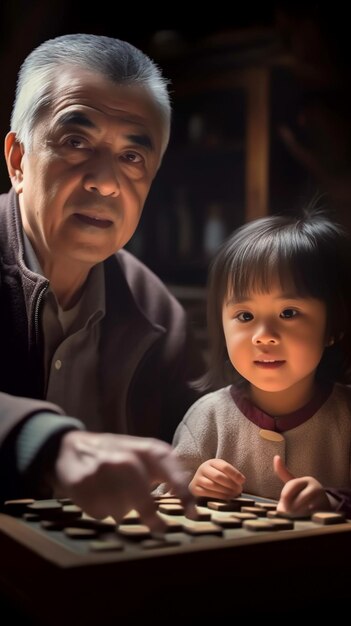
(83, 184)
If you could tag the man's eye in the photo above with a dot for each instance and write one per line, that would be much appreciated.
(77, 143)
(288, 313)
(245, 316)
(132, 157)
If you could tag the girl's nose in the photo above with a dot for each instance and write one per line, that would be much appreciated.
(265, 335)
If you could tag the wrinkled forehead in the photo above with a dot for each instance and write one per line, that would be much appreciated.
(75, 87)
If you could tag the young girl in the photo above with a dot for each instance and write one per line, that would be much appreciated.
(279, 311)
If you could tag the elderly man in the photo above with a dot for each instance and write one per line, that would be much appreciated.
(84, 324)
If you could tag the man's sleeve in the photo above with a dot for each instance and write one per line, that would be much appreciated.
(29, 449)
(342, 498)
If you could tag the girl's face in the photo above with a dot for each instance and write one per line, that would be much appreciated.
(276, 340)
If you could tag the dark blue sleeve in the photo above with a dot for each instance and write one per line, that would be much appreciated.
(28, 455)
(343, 497)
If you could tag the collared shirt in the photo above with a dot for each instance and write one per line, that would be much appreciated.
(71, 344)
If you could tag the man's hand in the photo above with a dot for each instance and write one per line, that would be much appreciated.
(300, 497)
(216, 478)
(108, 474)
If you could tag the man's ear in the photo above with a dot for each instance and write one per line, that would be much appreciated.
(13, 154)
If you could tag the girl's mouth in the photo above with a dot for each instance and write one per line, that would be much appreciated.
(269, 363)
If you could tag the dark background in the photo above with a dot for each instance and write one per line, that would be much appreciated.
(24, 24)
(311, 100)
(316, 33)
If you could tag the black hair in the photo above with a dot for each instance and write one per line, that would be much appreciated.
(310, 252)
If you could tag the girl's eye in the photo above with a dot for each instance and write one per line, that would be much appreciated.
(245, 316)
(288, 313)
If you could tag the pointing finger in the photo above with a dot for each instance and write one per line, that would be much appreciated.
(281, 470)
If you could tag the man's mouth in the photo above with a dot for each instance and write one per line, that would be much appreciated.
(92, 220)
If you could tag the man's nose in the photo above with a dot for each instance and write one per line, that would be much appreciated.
(102, 177)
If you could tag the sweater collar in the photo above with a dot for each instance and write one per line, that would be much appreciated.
(286, 422)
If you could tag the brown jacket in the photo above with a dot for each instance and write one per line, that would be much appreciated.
(147, 355)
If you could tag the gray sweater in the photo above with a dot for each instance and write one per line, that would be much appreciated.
(214, 427)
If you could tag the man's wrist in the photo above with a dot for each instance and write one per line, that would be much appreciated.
(36, 448)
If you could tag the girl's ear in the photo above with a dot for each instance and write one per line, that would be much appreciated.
(14, 158)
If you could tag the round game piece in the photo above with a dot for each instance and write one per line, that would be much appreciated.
(80, 533)
(226, 521)
(282, 523)
(258, 525)
(134, 531)
(101, 545)
(17, 507)
(171, 509)
(327, 518)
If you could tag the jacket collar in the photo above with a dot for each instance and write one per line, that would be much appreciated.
(125, 324)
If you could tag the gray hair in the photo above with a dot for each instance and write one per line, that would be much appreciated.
(118, 60)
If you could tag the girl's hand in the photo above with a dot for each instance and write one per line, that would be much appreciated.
(300, 497)
(216, 478)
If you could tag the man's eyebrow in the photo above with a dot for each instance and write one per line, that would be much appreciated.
(141, 140)
(75, 118)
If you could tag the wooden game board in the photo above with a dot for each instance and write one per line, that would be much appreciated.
(238, 555)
